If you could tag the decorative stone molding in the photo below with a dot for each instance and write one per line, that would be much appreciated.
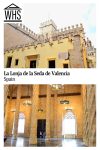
(56, 35)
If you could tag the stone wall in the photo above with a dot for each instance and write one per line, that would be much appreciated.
(16, 35)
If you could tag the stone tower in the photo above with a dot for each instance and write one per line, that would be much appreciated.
(48, 27)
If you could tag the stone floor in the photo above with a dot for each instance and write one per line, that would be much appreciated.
(24, 142)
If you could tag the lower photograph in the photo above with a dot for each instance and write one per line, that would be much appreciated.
(44, 115)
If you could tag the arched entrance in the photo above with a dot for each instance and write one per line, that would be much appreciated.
(69, 125)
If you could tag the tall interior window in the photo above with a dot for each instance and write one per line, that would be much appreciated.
(13, 124)
(21, 123)
(69, 124)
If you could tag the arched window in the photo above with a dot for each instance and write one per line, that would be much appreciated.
(69, 124)
(21, 123)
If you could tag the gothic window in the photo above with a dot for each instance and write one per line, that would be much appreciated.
(21, 123)
(69, 124)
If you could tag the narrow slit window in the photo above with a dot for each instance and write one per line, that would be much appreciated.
(16, 62)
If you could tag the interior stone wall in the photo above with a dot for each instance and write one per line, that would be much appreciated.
(75, 102)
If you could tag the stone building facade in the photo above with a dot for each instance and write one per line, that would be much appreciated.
(15, 35)
(51, 48)
(49, 105)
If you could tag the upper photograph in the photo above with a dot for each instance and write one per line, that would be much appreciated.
(52, 36)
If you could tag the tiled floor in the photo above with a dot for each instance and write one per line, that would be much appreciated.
(24, 142)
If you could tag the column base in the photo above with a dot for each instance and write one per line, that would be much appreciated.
(14, 137)
(33, 141)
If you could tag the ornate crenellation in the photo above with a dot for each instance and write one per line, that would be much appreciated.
(91, 54)
(67, 32)
(47, 23)
(90, 48)
(25, 30)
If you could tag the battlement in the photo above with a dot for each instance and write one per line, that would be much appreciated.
(71, 29)
(48, 23)
(61, 32)
(67, 32)
(25, 30)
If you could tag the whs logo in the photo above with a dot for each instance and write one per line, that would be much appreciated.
(12, 13)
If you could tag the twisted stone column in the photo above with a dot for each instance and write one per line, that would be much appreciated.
(33, 126)
(17, 111)
(6, 89)
(89, 121)
(48, 111)
(55, 115)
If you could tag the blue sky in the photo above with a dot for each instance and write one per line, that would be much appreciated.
(89, 17)
(64, 15)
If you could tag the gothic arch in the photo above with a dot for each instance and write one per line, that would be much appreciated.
(69, 125)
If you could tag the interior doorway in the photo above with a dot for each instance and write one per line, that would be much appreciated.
(41, 128)
(69, 125)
